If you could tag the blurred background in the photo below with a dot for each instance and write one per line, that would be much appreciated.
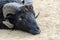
(48, 21)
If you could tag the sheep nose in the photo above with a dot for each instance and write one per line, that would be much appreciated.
(35, 31)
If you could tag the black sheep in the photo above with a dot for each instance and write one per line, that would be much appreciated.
(21, 16)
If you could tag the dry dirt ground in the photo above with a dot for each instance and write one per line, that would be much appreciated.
(48, 20)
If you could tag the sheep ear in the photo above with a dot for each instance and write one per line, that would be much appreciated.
(8, 24)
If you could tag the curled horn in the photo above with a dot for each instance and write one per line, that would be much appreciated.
(8, 24)
(11, 8)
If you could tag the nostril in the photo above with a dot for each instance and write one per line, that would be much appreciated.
(23, 1)
(37, 27)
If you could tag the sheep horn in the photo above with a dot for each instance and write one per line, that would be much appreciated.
(37, 15)
(11, 8)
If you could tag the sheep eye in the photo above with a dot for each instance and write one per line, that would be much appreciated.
(20, 19)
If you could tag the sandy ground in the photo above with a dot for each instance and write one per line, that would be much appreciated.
(48, 20)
